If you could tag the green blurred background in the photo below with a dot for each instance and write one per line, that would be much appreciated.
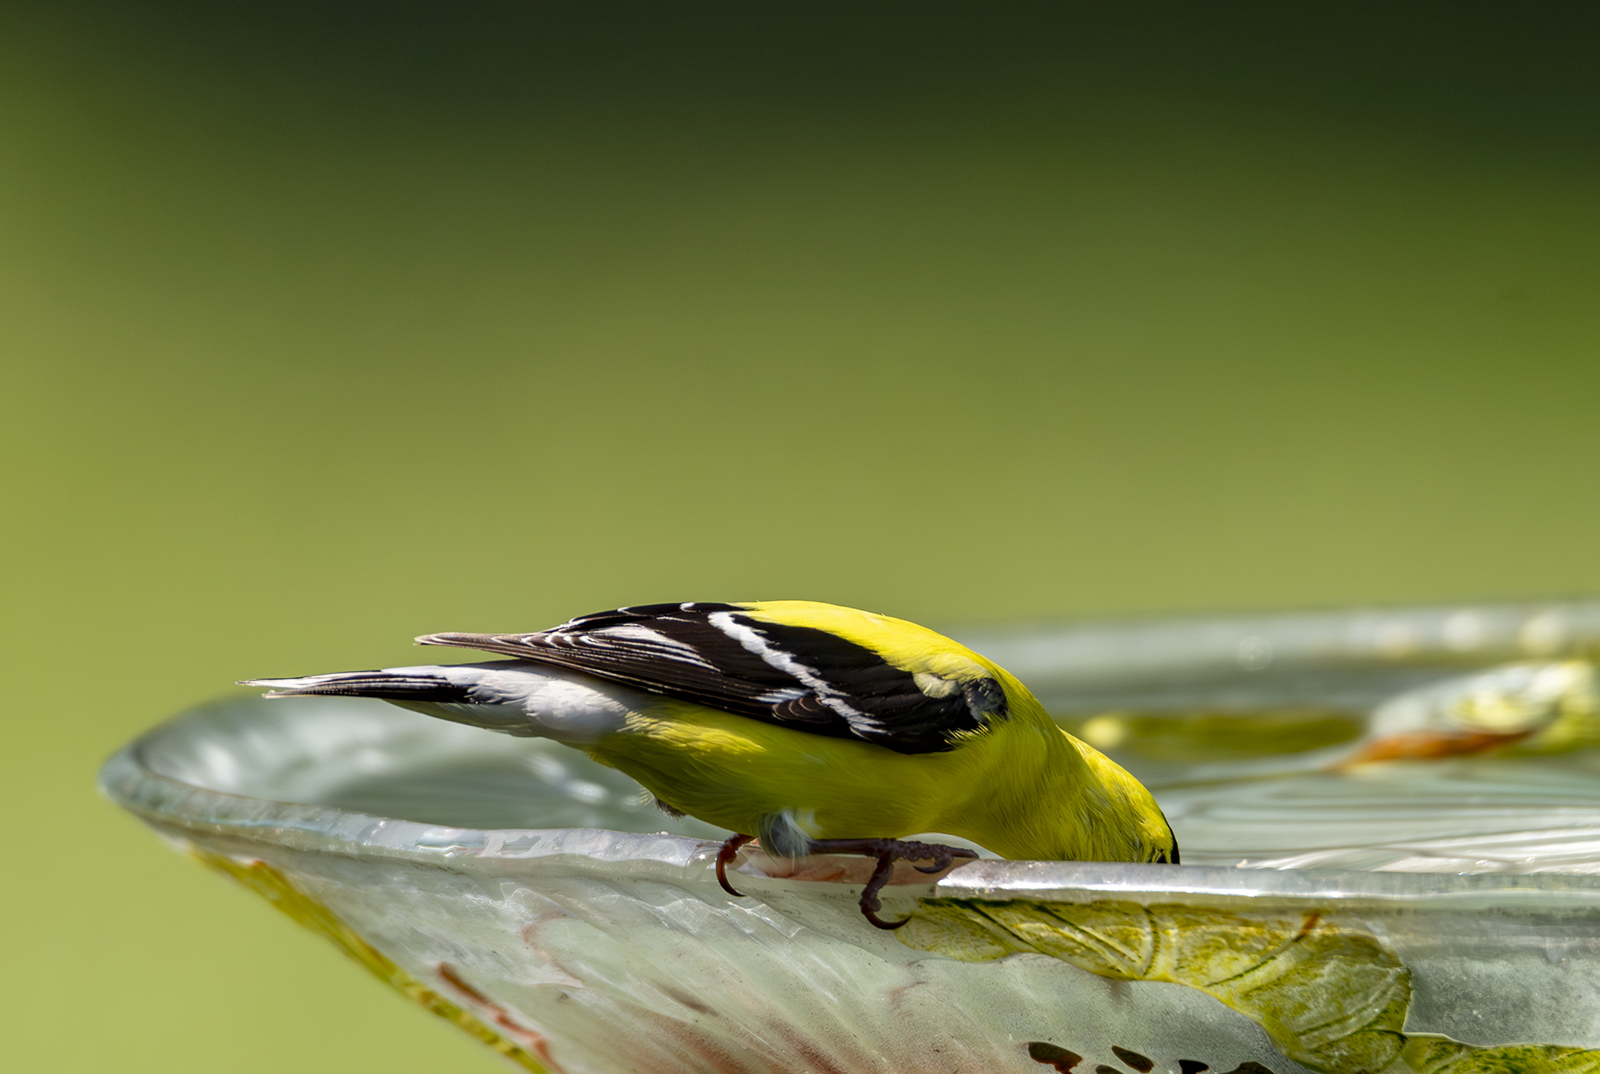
(324, 326)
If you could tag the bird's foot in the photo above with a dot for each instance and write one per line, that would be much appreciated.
(725, 856)
(887, 851)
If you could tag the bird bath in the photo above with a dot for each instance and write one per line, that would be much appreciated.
(1337, 911)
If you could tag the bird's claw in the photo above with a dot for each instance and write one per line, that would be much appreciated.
(887, 926)
(725, 855)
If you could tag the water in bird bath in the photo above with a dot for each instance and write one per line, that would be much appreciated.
(517, 784)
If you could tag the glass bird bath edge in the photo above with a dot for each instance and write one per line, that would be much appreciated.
(1390, 823)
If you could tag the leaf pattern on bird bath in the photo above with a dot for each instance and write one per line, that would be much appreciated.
(1330, 994)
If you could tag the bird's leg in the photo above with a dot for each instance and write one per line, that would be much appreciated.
(730, 849)
(888, 851)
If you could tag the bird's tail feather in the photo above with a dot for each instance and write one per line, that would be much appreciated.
(509, 696)
(411, 685)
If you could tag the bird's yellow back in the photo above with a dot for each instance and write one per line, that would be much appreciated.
(901, 643)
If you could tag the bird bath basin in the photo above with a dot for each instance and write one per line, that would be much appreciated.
(1436, 912)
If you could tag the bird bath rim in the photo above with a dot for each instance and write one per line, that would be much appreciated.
(133, 779)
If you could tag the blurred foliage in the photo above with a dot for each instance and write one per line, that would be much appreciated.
(327, 325)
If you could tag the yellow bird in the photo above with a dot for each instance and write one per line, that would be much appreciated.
(817, 728)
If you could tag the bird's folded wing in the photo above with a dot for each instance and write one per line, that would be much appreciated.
(796, 676)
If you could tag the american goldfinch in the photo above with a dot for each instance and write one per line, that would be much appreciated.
(817, 728)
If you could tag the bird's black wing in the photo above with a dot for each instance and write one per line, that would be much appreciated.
(799, 677)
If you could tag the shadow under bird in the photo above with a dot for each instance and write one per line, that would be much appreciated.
(817, 728)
